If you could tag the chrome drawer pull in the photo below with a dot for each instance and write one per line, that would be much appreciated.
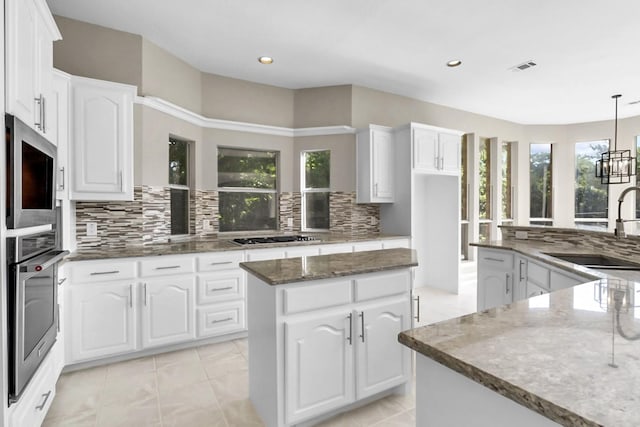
(350, 337)
(221, 289)
(221, 320)
(98, 273)
(417, 300)
(221, 263)
(494, 259)
(44, 402)
(169, 267)
(362, 325)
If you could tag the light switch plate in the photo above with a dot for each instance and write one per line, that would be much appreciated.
(206, 224)
(522, 234)
(92, 229)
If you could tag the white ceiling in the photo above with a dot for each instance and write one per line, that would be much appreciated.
(586, 50)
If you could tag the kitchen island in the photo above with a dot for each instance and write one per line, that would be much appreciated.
(323, 332)
(555, 359)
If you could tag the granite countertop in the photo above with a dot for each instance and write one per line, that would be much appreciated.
(281, 271)
(214, 244)
(550, 353)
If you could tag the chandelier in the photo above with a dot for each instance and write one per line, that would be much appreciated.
(617, 166)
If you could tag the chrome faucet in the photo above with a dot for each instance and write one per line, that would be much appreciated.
(619, 233)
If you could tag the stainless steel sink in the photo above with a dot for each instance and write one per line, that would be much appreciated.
(597, 261)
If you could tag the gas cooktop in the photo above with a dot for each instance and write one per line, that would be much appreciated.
(274, 239)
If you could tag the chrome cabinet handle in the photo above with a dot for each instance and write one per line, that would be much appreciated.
(221, 289)
(350, 337)
(507, 283)
(221, 263)
(441, 163)
(362, 325)
(38, 101)
(121, 183)
(61, 281)
(521, 263)
(494, 259)
(168, 267)
(131, 296)
(58, 316)
(417, 300)
(98, 273)
(44, 114)
(221, 320)
(145, 293)
(61, 185)
(435, 162)
(44, 402)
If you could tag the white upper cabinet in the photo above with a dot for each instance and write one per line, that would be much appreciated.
(30, 32)
(375, 160)
(102, 140)
(435, 151)
(59, 130)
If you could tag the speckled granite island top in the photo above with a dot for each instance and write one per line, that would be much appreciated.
(281, 271)
(552, 353)
(213, 244)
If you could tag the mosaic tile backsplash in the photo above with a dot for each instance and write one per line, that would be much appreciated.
(600, 242)
(147, 219)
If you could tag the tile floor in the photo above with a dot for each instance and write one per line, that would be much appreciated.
(208, 385)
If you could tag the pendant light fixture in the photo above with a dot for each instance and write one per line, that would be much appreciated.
(616, 167)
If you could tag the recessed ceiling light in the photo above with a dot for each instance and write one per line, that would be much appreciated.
(454, 63)
(265, 60)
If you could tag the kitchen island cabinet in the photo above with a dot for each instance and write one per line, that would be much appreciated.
(323, 332)
(545, 361)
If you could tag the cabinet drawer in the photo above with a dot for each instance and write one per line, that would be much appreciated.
(538, 274)
(224, 286)
(382, 285)
(265, 254)
(220, 261)
(221, 319)
(36, 399)
(83, 272)
(305, 298)
(496, 259)
(302, 251)
(367, 246)
(396, 243)
(163, 266)
(336, 249)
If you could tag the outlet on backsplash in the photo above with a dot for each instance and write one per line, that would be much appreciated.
(92, 229)
(289, 222)
(206, 225)
(372, 220)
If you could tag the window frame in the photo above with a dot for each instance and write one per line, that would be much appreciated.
(544, 221)
(304, 190)
(589, 223)
(182, 187)
(275, 191)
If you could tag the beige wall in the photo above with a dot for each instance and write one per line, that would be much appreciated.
(168, 77)
(215, 137)
(243, 101)
(343, 159)
(322, 106)
(97, 52)
(153, 129)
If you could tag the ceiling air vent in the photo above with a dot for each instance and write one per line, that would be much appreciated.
(523, 66)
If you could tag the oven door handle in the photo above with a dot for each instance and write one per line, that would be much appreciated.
(42, 262)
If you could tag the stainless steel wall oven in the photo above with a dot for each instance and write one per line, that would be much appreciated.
(32, 304)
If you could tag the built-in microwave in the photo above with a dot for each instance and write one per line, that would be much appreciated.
(31, 167)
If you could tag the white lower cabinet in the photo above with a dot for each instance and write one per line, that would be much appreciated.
(101, 320)
(319, 365)
(168, 311)
(317, 347)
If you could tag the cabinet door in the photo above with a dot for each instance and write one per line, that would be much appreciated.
(265, 254)
(168, 311)
(449, 151)
(382, 362)
(44, 79)
(101, 320)
(319, 366)
(562, 281)
(59, 130)
(495, 288)
(382, 165)
(21, 59)
(102, 144)
(425, 150)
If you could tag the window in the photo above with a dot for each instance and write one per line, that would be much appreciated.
(540, 179)
(507, 183)
(247, 187)
(485, 196)
(315, 185)
(464, 199)
(637, 179)
(179, 186)
(592, 197)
